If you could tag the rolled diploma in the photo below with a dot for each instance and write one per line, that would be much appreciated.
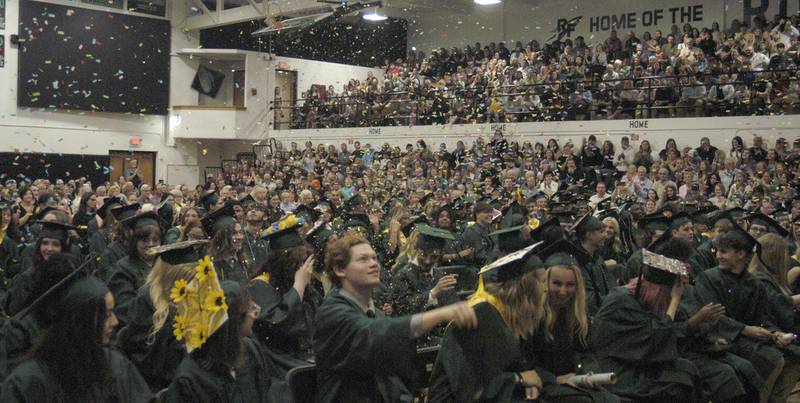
(608, 378)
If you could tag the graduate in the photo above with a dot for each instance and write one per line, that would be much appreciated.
(288, 303)
(635, 335)
(214, 321)
(99, 229)
(53, 239)
(705, 258)
(486, 364)
(559, 348)
(361, 355)
(745, 326)
(130, 272)
(147, 338)
(414, 287)
(226, 244)
(72, 361)
(452, 254)
(476, 236)
(18, 334)
(590, 236)
(120, 236)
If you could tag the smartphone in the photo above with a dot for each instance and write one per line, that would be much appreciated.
(463, 276)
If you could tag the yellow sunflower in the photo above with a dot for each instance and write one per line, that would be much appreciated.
(215, 301)
(179, 327)
(199, 335)
(205, 269)
(178, 293)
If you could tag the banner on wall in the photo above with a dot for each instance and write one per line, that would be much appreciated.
(152, 7)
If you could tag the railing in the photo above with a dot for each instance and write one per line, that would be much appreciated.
(558, 101)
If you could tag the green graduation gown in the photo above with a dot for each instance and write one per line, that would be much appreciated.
(193, 383)
(705, 258)
(362, 357)
(33, 382)
(596, 281)
(229, 267)
(485, 247)
(746, 301)
(156, 359)
(128, 275)
(478, 365)
(642, 349)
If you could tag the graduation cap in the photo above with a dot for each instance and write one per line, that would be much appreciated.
(308, 214)
(559, 253)
(166, 210)
(209, 200)
(512, 265)
(406, 230)
(247, 199)
(43, 212)
(660, 269)
(703, 215)
(718, 215)
(432, 238)
(142, 220)
(109, 204)
(736, 212)
(124, 212)
(356, 221)
(585, 225)
(743, 239)
(318, 235)
(654, 222)
(537, 233)
(678, 220)
(425, 199)
(218, 219)
(285, 234)
(54, 230)
(565, 216)
(81, 292)
(768, 222)
(354, 201)
(179, 252)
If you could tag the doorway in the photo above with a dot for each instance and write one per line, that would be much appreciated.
(121, 160)
(285, 96)
(238, 88)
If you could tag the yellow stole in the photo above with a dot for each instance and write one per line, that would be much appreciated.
(481, 295)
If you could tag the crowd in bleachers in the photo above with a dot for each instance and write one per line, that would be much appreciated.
(742, 70)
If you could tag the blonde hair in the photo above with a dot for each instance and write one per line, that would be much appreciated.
(161, 279)
(577, 322)
(775, 254)
(616, 245)
(523, 298)
(409, 249)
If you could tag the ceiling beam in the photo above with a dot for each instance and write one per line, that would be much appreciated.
(250, 12)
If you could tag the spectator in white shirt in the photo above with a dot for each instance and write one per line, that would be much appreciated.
(625, 156)
(600, 196)
(720, 96)
(693, 96)
(549, 186)
(786, 32)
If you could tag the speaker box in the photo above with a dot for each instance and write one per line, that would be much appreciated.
(208, 81)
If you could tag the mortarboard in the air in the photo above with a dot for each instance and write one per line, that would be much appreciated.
(285, 234)
(218, 219)
(654, 222)
(179, 252)
(585, 225)
(406, 229)
(512, 265)
(142, 220)
(109, 204)
(432, 238)
(768, 222)
(660, 269)
(209, 200)
(122, 213)
(54, 230)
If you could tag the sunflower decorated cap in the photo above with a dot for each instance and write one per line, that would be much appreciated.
(284, 233)
(201, 306)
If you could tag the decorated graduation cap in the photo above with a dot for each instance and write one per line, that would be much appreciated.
(218, 219)
(124, 212)
(55, 230)
(660, 269)
(769, 223)
(585, 225)
(432, 238)
(109, 204)
(285, 234)
(209, 200)
(179, 252)
(201, 306)
(509, 266)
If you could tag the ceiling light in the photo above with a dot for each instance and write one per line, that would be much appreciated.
(487, 2)
(374, 16)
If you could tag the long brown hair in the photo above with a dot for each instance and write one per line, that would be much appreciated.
(577, 321)
(523, 297)
(775, 257)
